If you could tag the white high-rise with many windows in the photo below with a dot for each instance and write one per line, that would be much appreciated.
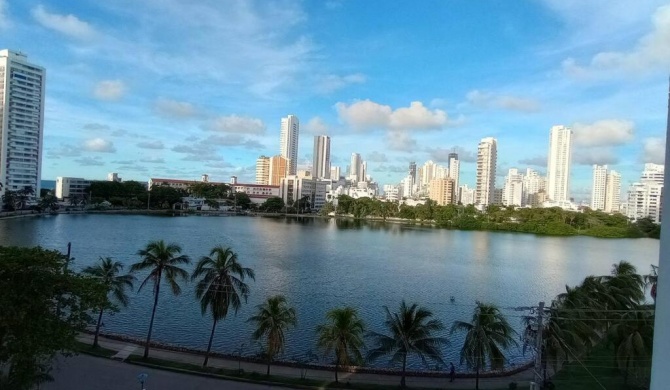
(288, 142)
(599, 188)
(558, 164)
(487, 157)
(613, 192)
(22, 87)
(321, 157)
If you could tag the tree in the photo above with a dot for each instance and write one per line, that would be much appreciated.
(48, 202)
(273, 204)
(23, 195)
(272, 319)
(633, 338)
(221, 286)
(162, 260)
(487, 337)
(412, 331)
(107, 272)
(343, 335)
(33, 283)
(9, 200)
(242, 200)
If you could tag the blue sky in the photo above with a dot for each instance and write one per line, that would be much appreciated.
(167, 88)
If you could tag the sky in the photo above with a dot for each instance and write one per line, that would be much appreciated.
(168, 88)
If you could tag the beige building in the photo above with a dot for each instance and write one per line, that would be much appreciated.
(441, 191)
(487, 157)
(278, 170)
(263, 170)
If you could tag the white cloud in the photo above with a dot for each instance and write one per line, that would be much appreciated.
(442, 154)
(594, 155)
(89, 161)
(487, 99)
(366, 114)
(604, 132)
(401, 141)
(99, 145)
(376, 157)
(96, 127)
(236, 124)
(316, 126)
(155, 144)
(538, 161)
(68, 25)
(651, 52)
(64, 150)
(109, 90)
(654, 150)
(153, 160)
(174, 109)
(333, 82)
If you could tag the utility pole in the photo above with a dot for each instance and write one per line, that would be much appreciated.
(538, 346)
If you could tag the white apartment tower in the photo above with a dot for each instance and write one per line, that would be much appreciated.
(645, 197)
(321, 159)
(357, 169)
(288, 142)
(487, 156)
(558, 164)
(599, 187)
(613, 192)
(454, 170)
(513, 190)
(22, 87)
(263, 170)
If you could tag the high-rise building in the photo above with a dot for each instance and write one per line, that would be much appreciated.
(454, 172)
(487, 157)
(263, 170)
(558, 164)
(467, 195)
(278, 169)
(358, 168)
(321, 157)
(288, 142)
(533, 183)
(441, 191)
(113, 176)
(412, 172)
(512, 194)
(645, 196)
(613, 192)
(22, 86)
(599, 187)
(335, 173)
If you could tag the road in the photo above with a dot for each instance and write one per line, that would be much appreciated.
(90, 373)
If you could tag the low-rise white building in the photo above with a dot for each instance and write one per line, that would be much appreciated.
(295, 187)
(71, 187)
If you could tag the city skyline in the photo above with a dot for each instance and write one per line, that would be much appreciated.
(397, 93)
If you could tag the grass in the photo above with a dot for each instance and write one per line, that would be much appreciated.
(600, 363)
(256, 377)
(89, 349)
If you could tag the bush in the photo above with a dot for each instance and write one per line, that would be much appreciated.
(512, 385)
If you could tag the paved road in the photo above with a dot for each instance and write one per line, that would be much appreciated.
(90, 373)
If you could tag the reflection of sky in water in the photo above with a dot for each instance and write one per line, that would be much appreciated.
(321, 264)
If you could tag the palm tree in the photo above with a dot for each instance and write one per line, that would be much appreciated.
(342, 334)
(626, 281)
(221, 285)
(107, 272)
(651, 280)
(633, 339)
(162, 261)
(412, 331)
(487, 337)
(273, 318)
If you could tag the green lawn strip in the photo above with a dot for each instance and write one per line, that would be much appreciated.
(256, 377)
(599, 362)
(89, 349)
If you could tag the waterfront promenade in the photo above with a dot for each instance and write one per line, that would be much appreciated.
(315, 374)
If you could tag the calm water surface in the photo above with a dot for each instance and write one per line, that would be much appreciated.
(321, 264)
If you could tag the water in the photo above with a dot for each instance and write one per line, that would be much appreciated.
(320, 264)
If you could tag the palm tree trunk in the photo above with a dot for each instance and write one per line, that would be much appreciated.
(209, 345)
(269, 361)
(337, 365)
(402, 378)
(477, 377)
(153, 314)
(97, 328)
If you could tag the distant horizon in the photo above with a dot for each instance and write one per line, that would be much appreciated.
(156, 92)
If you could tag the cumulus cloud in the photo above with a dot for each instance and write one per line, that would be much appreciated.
(64, 150)
(316, 126)
(109, 90)
(89, 161)
(198, 151)
(401, 141)
(654, 150)
(153, 160)
(366, 114)
(155, 144)
(68, 25)
(594, 155)
(442, 154)
(331, 83)
(487, 99)
(174, 109)
(652, 51)
(376, 157)
(607, 132)
(538, 161)
(100, 145)
(236, 124)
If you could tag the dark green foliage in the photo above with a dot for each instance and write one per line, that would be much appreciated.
(44, 305)
(274, 204)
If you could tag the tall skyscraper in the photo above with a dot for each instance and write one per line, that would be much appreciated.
(263, 170)
(599, 187)
(613, 192)
(321, 159)
(645, 197)
(487, 158)
(22, 87)
(558, 164)
(288, 142)
(412, 172)
(454, 172)
(512, 194)
(358, 168)
(335, 173)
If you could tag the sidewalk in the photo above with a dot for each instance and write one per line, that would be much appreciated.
(392, 380)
